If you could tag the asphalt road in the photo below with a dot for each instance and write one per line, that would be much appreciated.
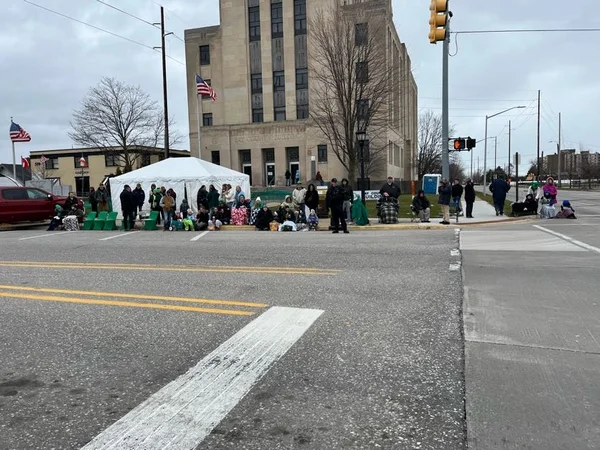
(532, 330)
(92, 328)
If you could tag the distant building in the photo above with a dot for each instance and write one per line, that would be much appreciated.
(65, 165)
(571, 162)
(258, 60)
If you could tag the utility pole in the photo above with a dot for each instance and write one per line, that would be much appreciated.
(164, 77)
(558, 148)
(495, 153)
(509, 162)
(538, 135)
(445, 112)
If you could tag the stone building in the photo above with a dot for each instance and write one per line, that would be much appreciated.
(258, 62)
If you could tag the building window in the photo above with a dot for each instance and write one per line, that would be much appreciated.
(279, 113)
(269, 155)
(215, 157)
(361, 33)
(302, 111)
(51, 163)
(278, 81)
(362, 72)
(82, 186)
(206, 96)
(362, 110)
(257, 115)
(301, 78)
(145, 160)
(322, 153)
(77, 163)
(204, 55)
(245, 156)
(256, 83)
(299, 17)
(111, 160)
(254, 23)
(207, 120)
(276, 20)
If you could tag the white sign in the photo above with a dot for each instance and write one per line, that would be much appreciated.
(517, 159)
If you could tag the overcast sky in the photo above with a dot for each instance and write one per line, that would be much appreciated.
(49, 62)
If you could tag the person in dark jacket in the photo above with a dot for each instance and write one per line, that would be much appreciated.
(469, 198)
(128, 207)
(335, 202)
(391, 188)
(213, 198)
(70, 201)
(445, 195)
(457, 192)
(263, 219)
(499, 188)
(92, 200)
(348, 198)
(202, 198)
(311, 200)
(288, 178)
(139, 197)
(422, 206)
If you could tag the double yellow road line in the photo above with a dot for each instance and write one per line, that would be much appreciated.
(172, 268)
(74, 296)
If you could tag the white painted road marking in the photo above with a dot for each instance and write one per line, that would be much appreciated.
(43, 235)
(195, 238)
(185, 411)
(569, 239)
(127, 233)
(455, 267)
(455, 252)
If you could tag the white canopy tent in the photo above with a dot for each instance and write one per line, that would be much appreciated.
(180, 174)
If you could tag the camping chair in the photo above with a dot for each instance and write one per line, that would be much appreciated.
(111, 222)
(150, 222)
(88, 223)
(99, 222)
(414, 217)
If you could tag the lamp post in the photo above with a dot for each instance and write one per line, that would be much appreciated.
(485, 144)
(361, 137)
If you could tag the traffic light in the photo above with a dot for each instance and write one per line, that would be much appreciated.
(438, 21)
(460, 144)
(471, 143)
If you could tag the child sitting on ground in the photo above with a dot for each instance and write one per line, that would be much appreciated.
(188, 222)
(312, 220)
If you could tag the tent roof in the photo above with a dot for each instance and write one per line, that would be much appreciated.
(178, 169)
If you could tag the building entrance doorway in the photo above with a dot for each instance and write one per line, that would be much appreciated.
(270, 174)
(294, 169)
(247, 169)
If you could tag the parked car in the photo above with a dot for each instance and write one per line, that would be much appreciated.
(22, 204)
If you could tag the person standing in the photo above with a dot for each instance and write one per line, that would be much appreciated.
(311, 200)
(168, 203)
(348, 198)
(140, 197)
(128, 208)
(469, 198)
(499, 188)
(445, 195)
(299, 198)
(335, 202)
(457, 192)
(92, 200)
(288, 178)
(102, 198)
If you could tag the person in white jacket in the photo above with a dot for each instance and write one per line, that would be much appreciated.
(535, 191)
(298, 197)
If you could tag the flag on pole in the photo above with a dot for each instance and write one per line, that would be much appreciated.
(18, 134)
(203, 88)
(25, 163)
(43, 159)
(82, 162)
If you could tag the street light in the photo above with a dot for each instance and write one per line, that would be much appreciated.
(486, 139)
(361, 137)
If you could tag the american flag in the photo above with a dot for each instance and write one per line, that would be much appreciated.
(18, 134)
(43, 159)
(203, 88)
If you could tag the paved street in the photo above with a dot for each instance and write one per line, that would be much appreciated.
(532, 330)
(233, 340)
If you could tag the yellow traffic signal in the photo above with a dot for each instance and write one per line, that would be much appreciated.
(438, 21)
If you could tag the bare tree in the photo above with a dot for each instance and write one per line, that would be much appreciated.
(588, 170)
(353, 84)
(429, 156)
(120, 120)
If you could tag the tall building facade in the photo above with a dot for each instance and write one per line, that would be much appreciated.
(258, 60)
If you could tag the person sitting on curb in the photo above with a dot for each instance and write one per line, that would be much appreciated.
(422, 206)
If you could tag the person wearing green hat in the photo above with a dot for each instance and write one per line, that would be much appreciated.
(534, 190)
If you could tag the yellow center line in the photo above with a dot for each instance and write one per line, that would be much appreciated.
(136, 296)
(256, 270)
(84, 301)
(150, 266)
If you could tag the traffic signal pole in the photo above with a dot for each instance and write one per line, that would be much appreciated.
(445, 111)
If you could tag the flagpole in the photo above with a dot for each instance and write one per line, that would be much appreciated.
(198, 114)
(14, 161)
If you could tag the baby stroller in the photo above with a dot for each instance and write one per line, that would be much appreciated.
(387, 210)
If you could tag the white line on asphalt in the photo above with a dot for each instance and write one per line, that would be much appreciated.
(455, 252)
(185, 411)
(43, 235)
(119, 235)
(195, 238)
(569, 239)
(454, 267)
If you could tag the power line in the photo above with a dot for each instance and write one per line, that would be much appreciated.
(532, 30)
(126, 13)
(475, 99)
(100, 29)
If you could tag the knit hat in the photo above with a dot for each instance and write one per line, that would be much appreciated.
(566, 203)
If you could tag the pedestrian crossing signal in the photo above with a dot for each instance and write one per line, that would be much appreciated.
(459, 144)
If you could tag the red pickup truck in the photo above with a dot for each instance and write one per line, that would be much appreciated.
(27, 204)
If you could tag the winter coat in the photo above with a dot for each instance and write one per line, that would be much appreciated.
(299, 196)
(421, 203)
(457, 190)
(213, 199)
(393, 190)
(499, 188)
(139, 195)
(127, 201)
(335, 197)
(445, 192)
(469, 193)
(312, 199)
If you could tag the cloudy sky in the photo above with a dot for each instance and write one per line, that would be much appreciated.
(49, 62)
